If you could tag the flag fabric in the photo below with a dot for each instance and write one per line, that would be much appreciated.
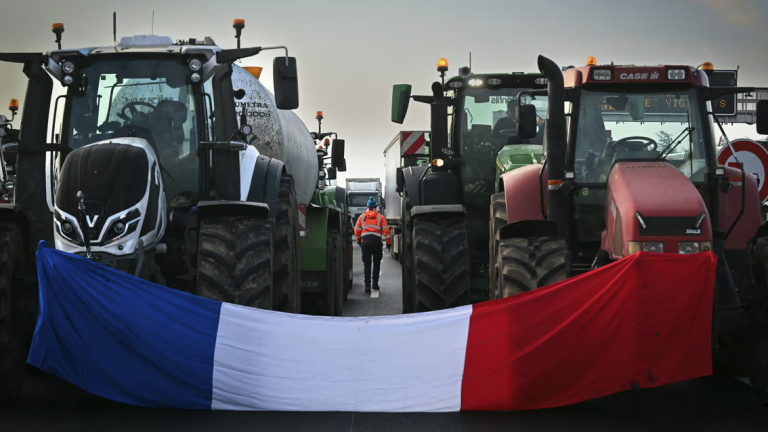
(644, 321)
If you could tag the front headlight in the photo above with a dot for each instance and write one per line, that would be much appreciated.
(653, 247)
(687, 248)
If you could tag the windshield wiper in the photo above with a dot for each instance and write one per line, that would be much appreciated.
(667, 151)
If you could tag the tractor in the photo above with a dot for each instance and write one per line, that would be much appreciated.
(326, 248)
(445, 208)
(150, 175)
(630, 166)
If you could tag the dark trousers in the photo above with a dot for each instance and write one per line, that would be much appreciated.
(371, 251)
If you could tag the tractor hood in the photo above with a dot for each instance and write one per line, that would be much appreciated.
(653, 202)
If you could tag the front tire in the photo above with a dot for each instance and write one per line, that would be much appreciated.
(526, 264)
(234, 262)
(441, 263)
(498, 220)
(287, 262)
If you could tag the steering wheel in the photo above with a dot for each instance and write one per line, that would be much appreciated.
(630, 143)
(131, 107)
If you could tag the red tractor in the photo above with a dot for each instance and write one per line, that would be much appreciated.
(630, 166)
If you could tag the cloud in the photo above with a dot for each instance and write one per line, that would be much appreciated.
(737, 12)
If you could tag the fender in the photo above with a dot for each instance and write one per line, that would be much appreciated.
(259, 179)
(522, 193)
(272, 187)
(209, 209)
(412, 177)
(730, 207)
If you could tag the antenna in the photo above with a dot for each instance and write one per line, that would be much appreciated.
(153, 22)
(470, 60)
(114, 27)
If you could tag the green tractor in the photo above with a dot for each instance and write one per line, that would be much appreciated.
(446, 204)
(326, 234)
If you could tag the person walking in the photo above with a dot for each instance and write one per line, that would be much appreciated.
(371, 229)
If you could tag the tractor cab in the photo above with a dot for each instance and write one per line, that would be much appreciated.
(482, 125)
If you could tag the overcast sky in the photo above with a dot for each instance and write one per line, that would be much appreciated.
(350, 53)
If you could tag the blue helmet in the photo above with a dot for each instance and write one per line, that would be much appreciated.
(371, 202)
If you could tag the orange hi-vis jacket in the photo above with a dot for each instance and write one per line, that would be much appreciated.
(374, 224)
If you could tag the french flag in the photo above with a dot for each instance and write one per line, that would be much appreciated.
(641, 322)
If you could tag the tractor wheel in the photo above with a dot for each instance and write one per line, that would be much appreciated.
(528, 263)
(234, 262)
(339, 256)
(759, 320)
(12, 342)
(406, 259)
(285, 242)
(498, 220)
(440, 263)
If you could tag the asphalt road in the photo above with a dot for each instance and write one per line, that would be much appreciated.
(708, 404)
(390, 298)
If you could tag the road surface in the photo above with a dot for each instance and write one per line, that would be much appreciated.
(708, 404)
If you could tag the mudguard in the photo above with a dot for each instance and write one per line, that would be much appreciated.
(522, 193)
(412, 177)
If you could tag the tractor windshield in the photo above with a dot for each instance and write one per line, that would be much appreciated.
(150, 99)
(616, 126)
(486, 125)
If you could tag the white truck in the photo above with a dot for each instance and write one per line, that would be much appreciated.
(358, 192)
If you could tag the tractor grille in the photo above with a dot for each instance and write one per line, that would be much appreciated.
(670, 226)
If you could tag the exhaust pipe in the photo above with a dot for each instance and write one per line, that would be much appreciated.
(555, 145)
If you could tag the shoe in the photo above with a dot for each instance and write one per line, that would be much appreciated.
(368, 288)
(376, 286)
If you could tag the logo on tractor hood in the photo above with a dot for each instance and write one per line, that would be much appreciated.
(541, 80)
(693, 231)
(639, 76)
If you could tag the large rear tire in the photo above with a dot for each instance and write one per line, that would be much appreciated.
(234, 262)
(441, 262)
(528, 263)
(498, 220)
(287, 261)
(12, 333)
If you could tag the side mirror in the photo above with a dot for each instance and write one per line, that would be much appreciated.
(10, 153)
(286, 83)
(343, 167)
(526, 121)
(401, 97)
(331, 173)
(762, 117)
(337, 153)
